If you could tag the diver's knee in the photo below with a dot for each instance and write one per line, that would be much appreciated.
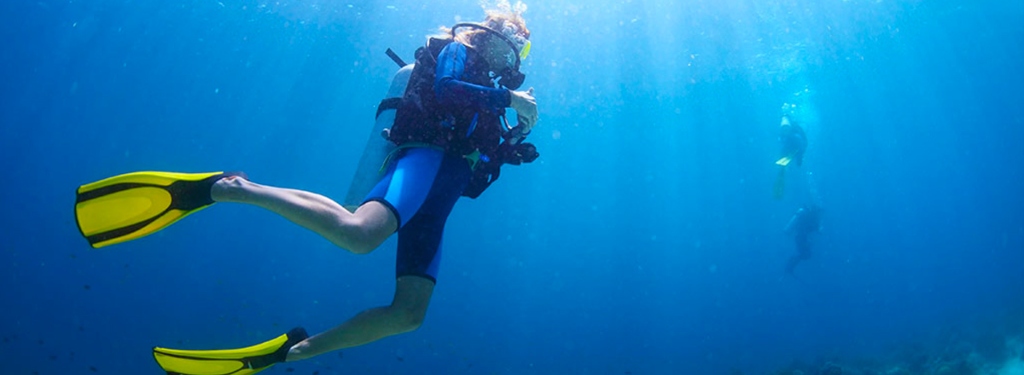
(360, 248)
(358, 236)
(365, 242)
(369, 227)
(410, 319)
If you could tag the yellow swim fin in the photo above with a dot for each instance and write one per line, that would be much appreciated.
(242, 361)
(133, 205)
(780, 184)
(784, 161)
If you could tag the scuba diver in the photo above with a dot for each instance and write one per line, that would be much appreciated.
(794, 143)
(805, 221)
(449, 139)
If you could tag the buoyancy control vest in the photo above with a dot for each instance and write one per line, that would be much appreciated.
(412, 116)
(457, 128)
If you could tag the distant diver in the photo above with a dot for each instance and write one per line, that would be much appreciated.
(806, 221)
(448, 139)
(794, 143)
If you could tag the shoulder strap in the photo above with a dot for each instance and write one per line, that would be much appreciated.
(432, 49)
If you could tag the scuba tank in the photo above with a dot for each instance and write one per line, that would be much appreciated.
(378, 147)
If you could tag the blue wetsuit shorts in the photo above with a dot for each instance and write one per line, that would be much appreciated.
(420, 189)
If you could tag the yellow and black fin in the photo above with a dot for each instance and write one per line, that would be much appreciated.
(133, 205)
(242, 361)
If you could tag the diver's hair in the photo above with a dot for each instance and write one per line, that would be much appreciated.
(497, 17)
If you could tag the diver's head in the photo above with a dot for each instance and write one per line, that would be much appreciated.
(502, 39)
(501, 54)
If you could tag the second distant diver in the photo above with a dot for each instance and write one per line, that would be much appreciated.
(806, 221)
(793, 140)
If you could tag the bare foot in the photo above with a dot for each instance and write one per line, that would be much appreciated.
(230, 189)
(298, 351)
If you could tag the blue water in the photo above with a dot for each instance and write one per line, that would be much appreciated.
(645, 240)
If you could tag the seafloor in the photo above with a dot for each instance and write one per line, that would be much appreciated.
(989, 346)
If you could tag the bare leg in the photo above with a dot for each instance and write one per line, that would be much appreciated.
(405, 314)
(359, 232)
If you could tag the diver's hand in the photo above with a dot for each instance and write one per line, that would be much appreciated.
(525, 106)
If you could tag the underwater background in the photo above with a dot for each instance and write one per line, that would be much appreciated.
(645, 240)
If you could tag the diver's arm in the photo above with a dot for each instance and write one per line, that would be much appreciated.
(793, 221)
(789, 226)
(451, 89)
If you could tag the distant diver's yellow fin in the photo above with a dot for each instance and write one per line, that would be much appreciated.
(242, 361)
(780, 184)
(133, 205)
(784, 161)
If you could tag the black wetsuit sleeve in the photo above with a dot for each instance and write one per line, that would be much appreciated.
(451, 89)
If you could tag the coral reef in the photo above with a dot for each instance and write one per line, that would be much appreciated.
(986, 356)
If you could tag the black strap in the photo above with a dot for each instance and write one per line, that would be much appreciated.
(386, 104)
(394, 57)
